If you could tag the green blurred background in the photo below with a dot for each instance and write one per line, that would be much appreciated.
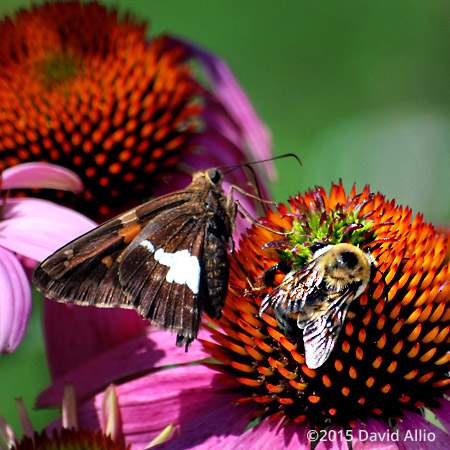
(359, 90)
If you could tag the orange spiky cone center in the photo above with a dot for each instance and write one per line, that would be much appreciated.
(85, 89)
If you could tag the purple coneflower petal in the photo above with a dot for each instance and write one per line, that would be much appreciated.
(219, 428)
(372, 435)
(416, 433)
(140, 354)
(36, 228)
(41, 175)
(75, 334)
(443, 414)
(176, 396)
(265, 436)
(233, 98)
(15, 301)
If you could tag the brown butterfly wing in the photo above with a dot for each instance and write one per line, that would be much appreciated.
(167, 258)
(161, 270)
(73, 273)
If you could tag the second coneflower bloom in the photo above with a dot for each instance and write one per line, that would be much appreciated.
(390, 362)
(82, 86)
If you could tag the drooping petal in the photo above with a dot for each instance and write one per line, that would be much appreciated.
(140, 354)
(36, 228)
(110, 420)
(233, 98)
(7, 433)
(150, 403)
(266, 436)
(41, 175)
(373, 435)
(15, 301)
(443, 414)
(221, 427)
(416, 433)
(75, 334)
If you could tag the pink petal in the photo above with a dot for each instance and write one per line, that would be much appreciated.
(219, 428)
(374, 435)
(234, 99)
(135, 355)
(76, 334)
(15, 301)
(330, 439)
(41, 175)
(36, 228)
(174, 396)
(443, 413)
(235, 103)
(416, 433)
(216, 117)
(267, 435)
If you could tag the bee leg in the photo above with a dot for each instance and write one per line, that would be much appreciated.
(269, 275)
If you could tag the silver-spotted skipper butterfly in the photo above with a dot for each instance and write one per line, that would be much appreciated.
(167, 258)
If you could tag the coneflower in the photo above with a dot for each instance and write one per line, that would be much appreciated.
(83, 87)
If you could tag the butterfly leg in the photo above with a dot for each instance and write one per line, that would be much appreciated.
(252, 220)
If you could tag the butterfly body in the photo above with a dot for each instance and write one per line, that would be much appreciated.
(316, 298)
(167, 258)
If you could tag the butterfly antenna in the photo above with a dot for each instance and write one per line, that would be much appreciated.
(256, 185)
(246, 164)
(257, 188)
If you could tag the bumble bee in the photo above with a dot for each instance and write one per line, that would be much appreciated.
(318, 296)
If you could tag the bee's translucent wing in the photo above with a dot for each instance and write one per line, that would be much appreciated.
(291, 294)
(320, 333)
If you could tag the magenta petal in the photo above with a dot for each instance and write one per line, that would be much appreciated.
(176, 396)
(443, 414)
(267, 435)
(76, 334)
(332, 440)
(41, 175)
(416, 433)
(15, 301)
(374, 435)
(235, 101)
(36, 228)
(135, 355)
(219, 428)
(232, 96)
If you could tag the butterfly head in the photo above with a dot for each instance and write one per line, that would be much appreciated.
(212, 178)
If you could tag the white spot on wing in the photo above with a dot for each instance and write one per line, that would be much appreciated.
(183, 267)
(148, 245)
